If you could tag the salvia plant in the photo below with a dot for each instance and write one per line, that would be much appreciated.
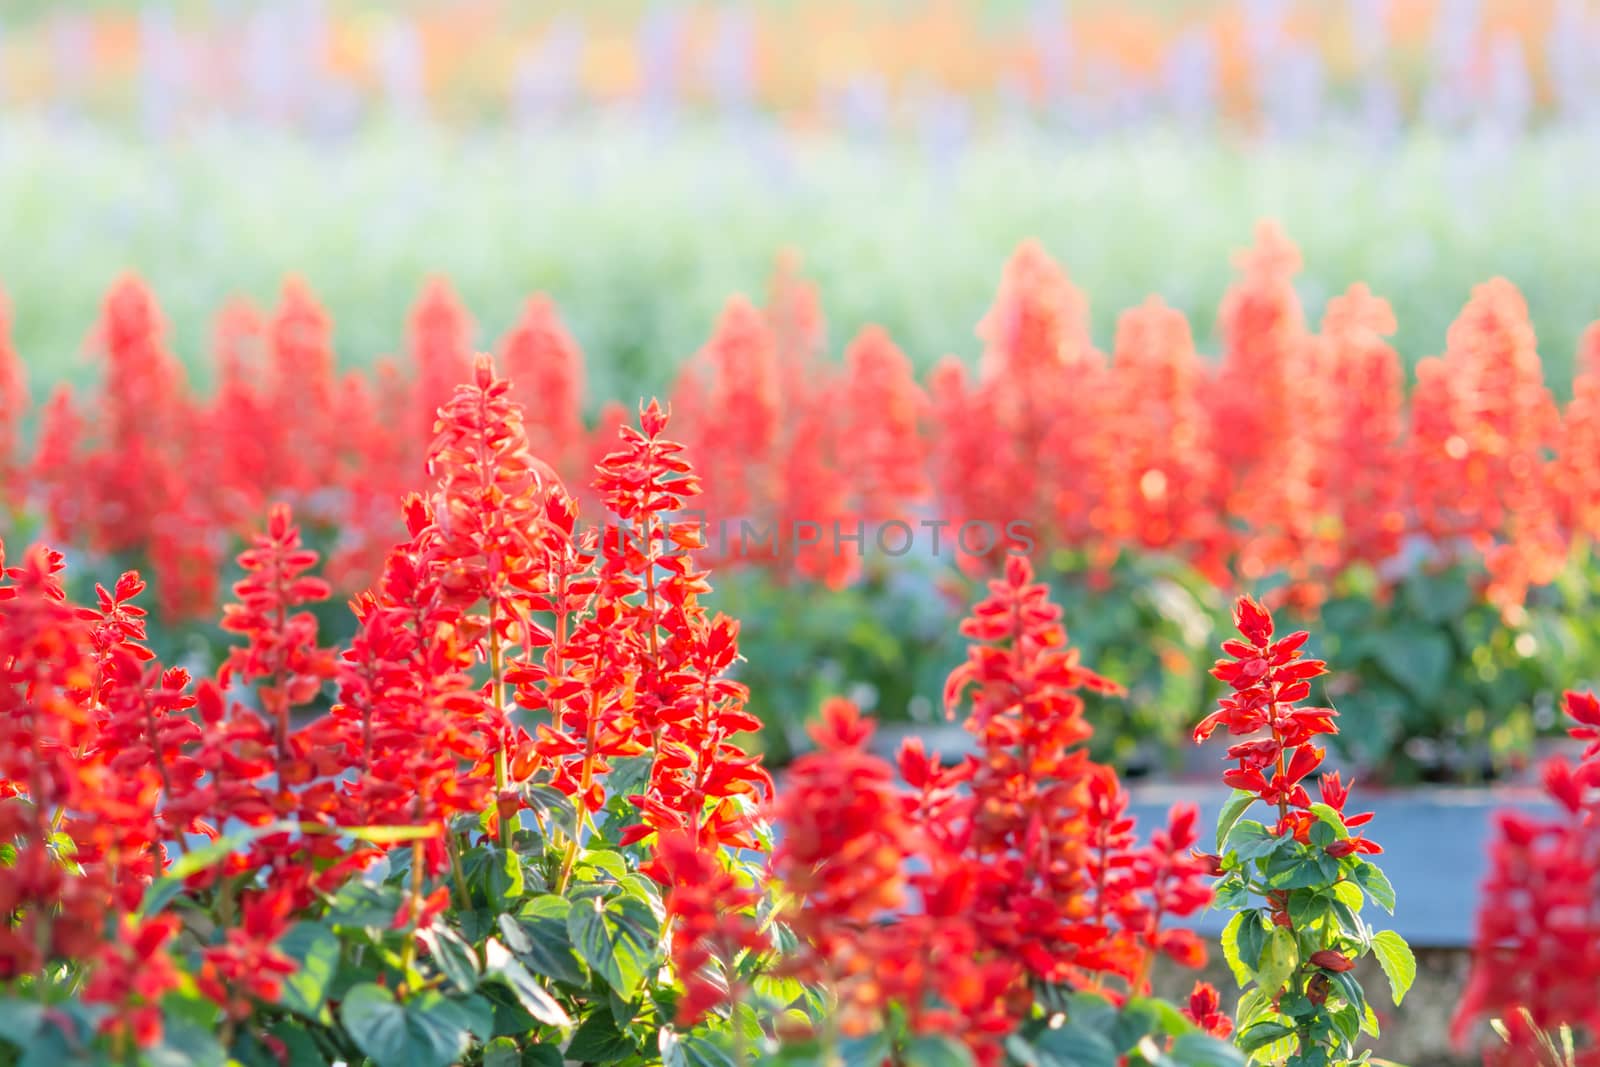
(523, 832)
(1435, 535)
(513, 821)
(1299, 875)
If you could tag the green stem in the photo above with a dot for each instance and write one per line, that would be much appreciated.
(460, 876)
(408, 955)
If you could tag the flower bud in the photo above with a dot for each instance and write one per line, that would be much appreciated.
(1332, 960)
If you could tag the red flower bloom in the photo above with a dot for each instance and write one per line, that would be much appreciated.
(1205, 1011)
(1536, 956)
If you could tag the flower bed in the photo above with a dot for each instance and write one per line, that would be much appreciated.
(523, 832)
(1437, 543)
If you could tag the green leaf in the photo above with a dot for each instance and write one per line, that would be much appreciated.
(1438, 598)
(1349, 894)
(315, 948)
(453, 956)
(1071, 1045)
(1326, 813)
(502, 1052)
(1417, 660)
(611, 865)
(534, 998)
(542, 1056)
(1347, 1021)
(599, 1041)
(700, 1050)
(504, 881)
(1262, 1034)
(538, 936)
(1168, 1019)
(1397, 961)
(1278, 959)
(20, 1020)
(1129, 1026)
(1202, 1050)
(1232, 809)
(1349, 988)
(1250, 840)
(1296, 867)
(362, 906)
(934, 1050)
(185, 1044)
(1230, 948)
(1232, 894)
(426, 1031)
(873, 1048)
(302, 1048)
(1306, 909)
(1377, 886)
(617, 939)
(1252, 939)
(628, 774)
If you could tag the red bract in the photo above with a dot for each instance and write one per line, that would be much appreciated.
(440, 339)
(730, 394)
(806, 462)
(1576, 473)
(1268, 680)
(1366, 476)
(302, 394)
(880, 408)
(1205, 1011)
(707, 911)
(1021, 441)
(686, 707)
(1162, 481)
(1482, 423)
(1275, 449)
(281, 657)
(53, 760)
(544, 361)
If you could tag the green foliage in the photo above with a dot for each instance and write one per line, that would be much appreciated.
(1297, 933)
(1091, 1032)
(1437, 685)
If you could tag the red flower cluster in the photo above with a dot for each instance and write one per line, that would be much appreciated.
(803, 461)
(78, 809)
(1536, 958)
(109, 760)
(1016, 865)
(1268, 679)
(707, 909)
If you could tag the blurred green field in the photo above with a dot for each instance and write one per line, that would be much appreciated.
(641, 236)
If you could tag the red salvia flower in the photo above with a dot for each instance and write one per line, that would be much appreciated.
(1536, 956)
(546, 365)
(440, 339)
(1205, 1011)
(708, 912)
(1268, 679)
(1161, 480)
